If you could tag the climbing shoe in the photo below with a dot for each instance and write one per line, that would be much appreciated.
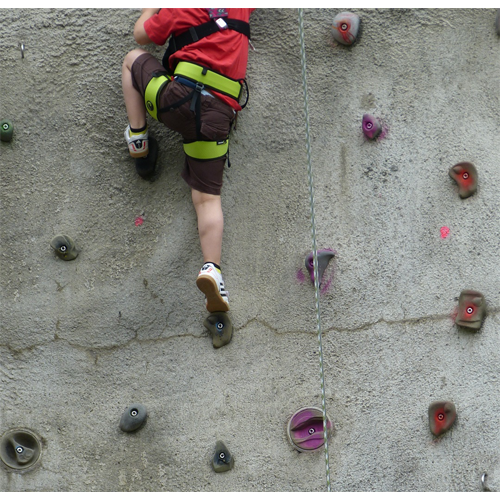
(138, 144)
(210, 282)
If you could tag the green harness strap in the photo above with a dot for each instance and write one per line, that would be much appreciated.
(199, 150)
(153, 90)
(206, 150)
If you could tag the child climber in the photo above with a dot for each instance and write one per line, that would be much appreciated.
(195, 92)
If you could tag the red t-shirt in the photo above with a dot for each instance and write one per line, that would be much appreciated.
(225, 51)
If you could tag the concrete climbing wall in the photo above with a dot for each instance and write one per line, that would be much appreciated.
(123, 323)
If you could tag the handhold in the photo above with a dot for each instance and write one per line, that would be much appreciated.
(145, 166)
(371, 126)
(305, 429)
(64, 247)
(23, 453)
(6, 130)
(20, 448)
(133, 418)
(345, 28)
(223, 460)
(324, 257)
(471, 309)
(465, 175)
(221, 328)
(442, 415)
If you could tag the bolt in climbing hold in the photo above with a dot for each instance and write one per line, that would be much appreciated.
(345, 28)
(20, 449)
(223, 460)
(442, 415)
(6, 130)
(64, 247)
(465, 175)
(305, 429)
(133, 418)
(371, 126)
(220, 327)
(471, 309)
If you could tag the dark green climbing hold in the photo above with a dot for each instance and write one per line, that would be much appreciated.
(6, 130)
(133, 418)
(219, 325)
(64, 247)
(223, 460)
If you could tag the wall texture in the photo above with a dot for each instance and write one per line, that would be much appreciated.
(123, 323)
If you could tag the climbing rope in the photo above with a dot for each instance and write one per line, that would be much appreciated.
(315, 250)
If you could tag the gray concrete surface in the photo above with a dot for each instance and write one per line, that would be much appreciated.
(123, 323)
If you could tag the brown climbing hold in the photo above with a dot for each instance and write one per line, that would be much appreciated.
(442, 415)
(471, 309)
(465, 175)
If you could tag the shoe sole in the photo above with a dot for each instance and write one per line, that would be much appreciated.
(215, 302)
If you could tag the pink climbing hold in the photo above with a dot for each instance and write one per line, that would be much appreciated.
(139, 221)
(445, 232)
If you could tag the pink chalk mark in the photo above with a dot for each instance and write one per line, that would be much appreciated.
(300, 276)
(445, 232)
(139, 221)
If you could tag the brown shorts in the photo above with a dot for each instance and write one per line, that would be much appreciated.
(216, 120)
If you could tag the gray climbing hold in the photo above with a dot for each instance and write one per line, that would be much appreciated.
(324, 257)
(64, 247)
(220, 327)
(20, 448)
(223, 460)
(133, 418)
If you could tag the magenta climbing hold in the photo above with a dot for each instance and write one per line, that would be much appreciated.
(465, 175)
(305, 429)
(345, 28)
(442, 415)
(371, 126)
(324, 257)
(471, 309)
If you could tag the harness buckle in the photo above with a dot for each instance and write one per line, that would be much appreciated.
(221, 23)
(199, 87)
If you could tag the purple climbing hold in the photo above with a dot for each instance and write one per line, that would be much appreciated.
(324, 257)
(305, 429)
(371, 126)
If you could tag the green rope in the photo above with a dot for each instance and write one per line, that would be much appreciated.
(315, 251)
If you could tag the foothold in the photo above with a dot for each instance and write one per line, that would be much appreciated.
(223, 460)
(371, 126)
(20, 448)
(345, 28)
(324, 257)
(442, 415)
(471, 309)
(305, 429)
(221, 328)
(64, 247)
(6, 130)
(133, 418)
(146, 166)
(465, 175)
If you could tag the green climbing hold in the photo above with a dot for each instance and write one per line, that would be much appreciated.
(64, 247)
(220, 327)
(6, 130)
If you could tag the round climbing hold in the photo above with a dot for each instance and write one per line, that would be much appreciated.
(64, 247)
(220, 327)
(6, 130)
(371, 126)
(20, 449)
(305, 429)
(345, 28)
(133, 418)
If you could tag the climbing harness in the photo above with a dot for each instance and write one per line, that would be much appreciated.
(315, 251)
(195, 33)
(200, 79)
